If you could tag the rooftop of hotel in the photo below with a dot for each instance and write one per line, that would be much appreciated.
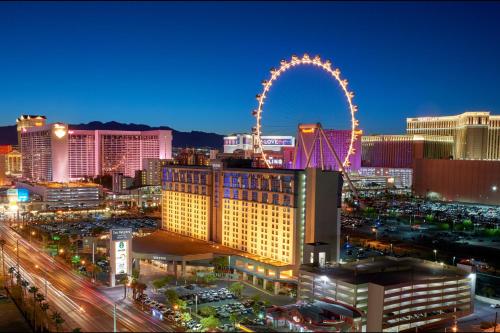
(388, 271)
(317, 311)
(62, 185)
(164, 242)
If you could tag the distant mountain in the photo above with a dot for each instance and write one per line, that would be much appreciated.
(8, 134)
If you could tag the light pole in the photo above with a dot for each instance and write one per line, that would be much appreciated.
(454, 260)
(44, 278)
(435, 254)
(114, 317)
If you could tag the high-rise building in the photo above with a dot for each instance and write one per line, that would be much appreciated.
(284, 217)
(13, 163)
(101, 152)
(476, 135)
(151, 171)
(26, 121)
(44, 152)
(399, 151)
(314, 148)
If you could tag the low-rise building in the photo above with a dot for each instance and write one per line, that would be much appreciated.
(73, 195)
(393, 294)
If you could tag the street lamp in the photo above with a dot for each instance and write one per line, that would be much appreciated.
(375, 231)
(454, 260)
(435, 254)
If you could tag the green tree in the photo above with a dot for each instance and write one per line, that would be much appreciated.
(76, 330)
(135, 274)
(236, 288)
(33, 290)
(44, 306)
(209, 323)
(124, 280)
(172, 296)
(234, 319)
(209, 278)
(39, 298)
(488, 291)
(208, 311)
(57, 319)
(186, 317)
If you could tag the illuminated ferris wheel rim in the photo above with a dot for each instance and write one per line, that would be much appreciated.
(285, 66)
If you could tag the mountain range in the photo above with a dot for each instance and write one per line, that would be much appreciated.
(8, 134)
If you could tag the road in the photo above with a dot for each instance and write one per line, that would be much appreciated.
(80, 303)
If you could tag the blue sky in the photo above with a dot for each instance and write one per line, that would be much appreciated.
(198, 66)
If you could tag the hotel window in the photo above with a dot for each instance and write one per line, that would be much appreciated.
(276, 199)
(235, 194)
(255, 196)
(264, 198)
(245, 195)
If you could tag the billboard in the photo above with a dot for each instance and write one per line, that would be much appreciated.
(278, 141)
(121, 257)
(121, 234)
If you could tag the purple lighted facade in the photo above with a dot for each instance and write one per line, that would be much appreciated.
(321, 156)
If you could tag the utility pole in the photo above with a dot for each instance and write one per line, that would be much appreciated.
(496, 321)
(114, 318)
(17, 253)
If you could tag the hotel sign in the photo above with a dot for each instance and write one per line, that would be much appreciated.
(121, 234)
(277, 141)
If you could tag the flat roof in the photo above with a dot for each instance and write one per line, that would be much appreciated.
(167, 243)
(388, 271)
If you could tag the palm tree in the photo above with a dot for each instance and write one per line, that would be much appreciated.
(57, 319)
(124, 280)
(24, 285)
(12, 269)
(33, 290)
(44, 306)
(39, 298)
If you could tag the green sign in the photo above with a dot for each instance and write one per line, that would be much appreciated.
(75, 259)
(56, 238)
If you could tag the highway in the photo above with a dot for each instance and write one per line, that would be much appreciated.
(79, 302)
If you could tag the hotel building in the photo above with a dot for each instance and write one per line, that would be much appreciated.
(55, 153)
(393, 294)
(44, 152)
(476, 134)
(26, 121)
(399, 151)
(101, 152)
(276, 218)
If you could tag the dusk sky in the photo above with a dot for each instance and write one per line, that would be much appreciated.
(198, 66)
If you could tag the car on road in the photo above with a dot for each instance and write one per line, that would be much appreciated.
(495, 306)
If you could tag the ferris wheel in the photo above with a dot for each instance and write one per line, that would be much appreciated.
(275, 74)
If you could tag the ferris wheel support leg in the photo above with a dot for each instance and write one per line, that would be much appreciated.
(309, 155)
(351, 186)
(321, 153)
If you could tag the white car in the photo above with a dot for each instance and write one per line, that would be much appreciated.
(495, 306)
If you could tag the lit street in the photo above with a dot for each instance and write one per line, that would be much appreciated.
(78, 300)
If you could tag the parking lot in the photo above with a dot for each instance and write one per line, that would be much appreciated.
(220, 300)
(93, 227)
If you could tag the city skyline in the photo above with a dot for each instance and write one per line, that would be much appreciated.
(141, 62)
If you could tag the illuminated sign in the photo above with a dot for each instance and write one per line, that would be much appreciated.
(277, 141)
(121, 257)
(59, 130)
(121, 234)
(22, 195)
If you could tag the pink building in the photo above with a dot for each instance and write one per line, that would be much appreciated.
(320, 153)
(44, 153)
(54, 153)
(100, 152)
